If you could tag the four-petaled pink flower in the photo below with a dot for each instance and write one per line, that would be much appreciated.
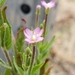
(33, 36)
(48, 5)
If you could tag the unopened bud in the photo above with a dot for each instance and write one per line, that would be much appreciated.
(38, 7)
(42, 24)
(28, 51)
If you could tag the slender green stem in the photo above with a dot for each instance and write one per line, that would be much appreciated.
(32, 60)
(7, 56)
(9, 60)
(45, 24)
(36, 20)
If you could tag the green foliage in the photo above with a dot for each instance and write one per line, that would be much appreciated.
(1, 17)
(47, 48)
(36, 68)
(20, 40)
(22, 59)
(7, 72)
(5, 30)
(43, 47)
(2, 63)
(2, 3)
(20, 44)
(19, 70)
(6, 40)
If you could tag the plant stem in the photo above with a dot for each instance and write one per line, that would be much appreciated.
(7, 56)
(45, 24)
(32, 60)
(36, 20)
(9, 61)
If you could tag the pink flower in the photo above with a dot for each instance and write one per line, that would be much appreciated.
(48, 5)
(33, 36)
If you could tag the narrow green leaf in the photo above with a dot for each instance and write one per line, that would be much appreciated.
(2, 3)
(1, 17)
(20, 43)
(47, 49)
(5, 17)
(24, 58)
(43, 47)
(19, 70)
(36, 68)
(7, 72)
(39, 44)
(2, 63)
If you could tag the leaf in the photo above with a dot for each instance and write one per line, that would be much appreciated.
(48, 71)
(19, 70)
(46, 50)
(20, 40)
(39, 44)
(1, 18)
(36, 68)
(7, 72)
(24, 58)
(6, 38)
(20, 46)
(5, 17)
(2, 3)
(2, 63)
(5, 30)
(42, 47)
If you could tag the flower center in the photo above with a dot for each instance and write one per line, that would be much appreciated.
(33, 37)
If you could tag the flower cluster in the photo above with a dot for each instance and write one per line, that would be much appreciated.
(35, 35)
(29, 58)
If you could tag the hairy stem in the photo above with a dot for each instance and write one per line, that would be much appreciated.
(36, 20)
(32, 60)
(45, 24)
(7, 56)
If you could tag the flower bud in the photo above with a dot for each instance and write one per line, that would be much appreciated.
(28, 51)
(42, 24)
(38, 10)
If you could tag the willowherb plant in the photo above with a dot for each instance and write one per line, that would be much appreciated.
(31, 52)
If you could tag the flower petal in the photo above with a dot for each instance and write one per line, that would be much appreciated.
(51, 4)
(37, 30)
(27, 33)
(39, 39)
(44, 3)
(28, 40)
(40, 33)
